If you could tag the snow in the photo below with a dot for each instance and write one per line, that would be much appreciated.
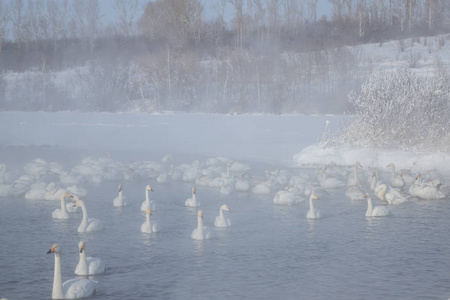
(315, 155)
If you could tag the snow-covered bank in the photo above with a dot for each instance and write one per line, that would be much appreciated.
(315, 155)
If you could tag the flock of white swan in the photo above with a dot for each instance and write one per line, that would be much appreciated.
(43, 180)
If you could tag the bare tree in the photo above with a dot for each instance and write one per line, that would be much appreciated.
(238, 6)
(78, 22)
(127, 11)
(17, 20)
(273, 10)
(93, 21)
(312, 10)
(4, 20)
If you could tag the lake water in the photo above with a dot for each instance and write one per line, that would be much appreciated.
(269, 252)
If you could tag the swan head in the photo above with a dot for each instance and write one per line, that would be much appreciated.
(54, 249)
(148, 188)
(81, 246)
(149, 211)
(313, 196)
(193, 190)
(358, 164)
(225, 207)
(200, 214)
(120, 187)
(389, 165)
(65, 195)
(367, 196)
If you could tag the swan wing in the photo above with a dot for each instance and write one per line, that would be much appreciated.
(79, 288)
(94, 225)
(380, 211)
(96, 265)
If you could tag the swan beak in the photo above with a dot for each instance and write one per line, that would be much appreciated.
(366, 196)
(52, 249)
(149, 211)
(81, 249)
(229, 210)
(69, 195)
(315, 197)
(75, 204)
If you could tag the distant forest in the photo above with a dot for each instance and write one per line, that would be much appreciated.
(272, 56)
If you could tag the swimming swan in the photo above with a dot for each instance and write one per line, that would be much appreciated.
(88, 265)
(87, 225)
(73, 288)
(192, 202)
(148, 227)
(377, 211)
(201, 232)
(397, 180)
(354, 191)
(221, 220)
(312, 213)
(61, 213)
(147, 203)
(118, 201)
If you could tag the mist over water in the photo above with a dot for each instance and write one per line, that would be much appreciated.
(270, 251)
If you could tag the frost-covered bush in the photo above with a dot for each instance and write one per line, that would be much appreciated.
(399, 111)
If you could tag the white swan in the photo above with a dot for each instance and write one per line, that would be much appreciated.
(201, 232)
(221, 220)
(148, 227)
(396, 196)
(354, 180)
(192, 202)
(377, 211)
(88, 265)
(73, 288)
(147, 203)
(355, 191)
(61, 213)
(329, 182)
(397, 180)
(87, 225)
(425, 191)
(312, 213)
(118, 201)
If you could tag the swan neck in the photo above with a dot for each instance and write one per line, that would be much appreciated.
(120, 197)
(355, 173)
(83, 264)
(63, 206)
(311, 205)
(84, 221)
(147, 199)
(221, 213)
(200, 226)
(393, 170)
(369, 207)
(194, 200)
(57, 292)
(147, 218)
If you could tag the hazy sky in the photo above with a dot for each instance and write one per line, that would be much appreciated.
(324, 8)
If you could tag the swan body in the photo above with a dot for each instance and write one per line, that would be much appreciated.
(312, 212)
(192, 202)
(87, 225)
(242, 185)
(61, 213)
(88, 265)
(355, 192)
(221, 220)
(396, 196)
(377, 211)
(147, 226)
(201, 232)
(288, 196)
(70, 289)
(330, 182)
(147, 203)
(354, 180)
(118, 201)
(397, 180)
(425, 191)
